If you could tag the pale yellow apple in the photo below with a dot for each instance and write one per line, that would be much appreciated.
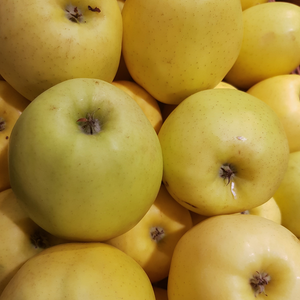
(271, 44)
(281, 93)
(224, 151)
(174, 48)
(80, 271)
(152, 241)
(287, 195)
(160, 293)
(46, 42)
(249, 3)
(236, 257)
(148, 104)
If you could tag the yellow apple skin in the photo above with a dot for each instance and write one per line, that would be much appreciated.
(48, 48)
(148, 104)
(213, 128)
(271, 44)
(281, 93)
(174, 48)
(165, 215)
(12, 105)
(21, 238)
(80, 270)
(160, 293)
(217, 258)
(249, 3)
(287, 195)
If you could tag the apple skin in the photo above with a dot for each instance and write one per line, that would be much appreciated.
(271, 44)
(174, 48)
(80, 271)
(80, 186)
(41, 47)
(249, 3)
(281, 93)
(216, 127)
(217, 258)
(12, 105)
(287, 195)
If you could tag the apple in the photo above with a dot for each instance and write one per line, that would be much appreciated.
(12, 105)
(224, 151)
(152, 241)
(174, 48)
(80, 271)
(44, 43)
(236, 257)
(160, 293)
(84, 161)
(287, 195)
(21, 238)
(249, 3)
(271, 44)
(281, 93)
(148, 104)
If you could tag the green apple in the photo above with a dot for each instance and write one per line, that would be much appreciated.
(46, 42)
(271, 44)
(287, 195)
(281, 93)
(84, 160)
(236, 257)
(224, 151)
(174, 48)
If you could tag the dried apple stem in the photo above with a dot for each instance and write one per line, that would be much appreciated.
(89, 124)
(157, 233)
(227, 172)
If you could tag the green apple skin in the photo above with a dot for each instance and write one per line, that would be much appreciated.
(174, 48)
(281, 93)
(271, 44)
(41, 47)
(287, 195)
(216, 127)
(85, 187)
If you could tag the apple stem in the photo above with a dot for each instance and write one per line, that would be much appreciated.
(89, 125)
(259, 282)
(157, 233)
(227, 172)
(2, 124)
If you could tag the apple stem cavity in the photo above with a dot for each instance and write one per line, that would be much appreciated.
(157, 233)
(89, 124)
(259, 282)
(2, 124)
(227, 172)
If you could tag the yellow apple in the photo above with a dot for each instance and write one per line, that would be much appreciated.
(160, 293)
(224, 151)
(148, 104)
(271, 44)
(174, 48)
(287, 195)
(236, 257)
(248, 3)
(152, 241)
(46, 42)
(80, 271)
(20, 237)
(12, 105)
(281, 93)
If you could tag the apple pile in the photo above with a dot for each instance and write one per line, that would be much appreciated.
(149, 150)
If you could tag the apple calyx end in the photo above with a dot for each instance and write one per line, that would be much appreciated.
(74, 14)
(259, 281)
(39, 239)
(89, 125)
(2, 124)
(157, 233)
(227, 172)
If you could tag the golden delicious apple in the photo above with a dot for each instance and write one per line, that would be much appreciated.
(160, 293)
(271, 44)
(224, 151)
(287, 195)
(152, 241)
(46, 42)
(174, 48)
(236, 257)
(80, 271)
(281, 93)
(248, 3)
